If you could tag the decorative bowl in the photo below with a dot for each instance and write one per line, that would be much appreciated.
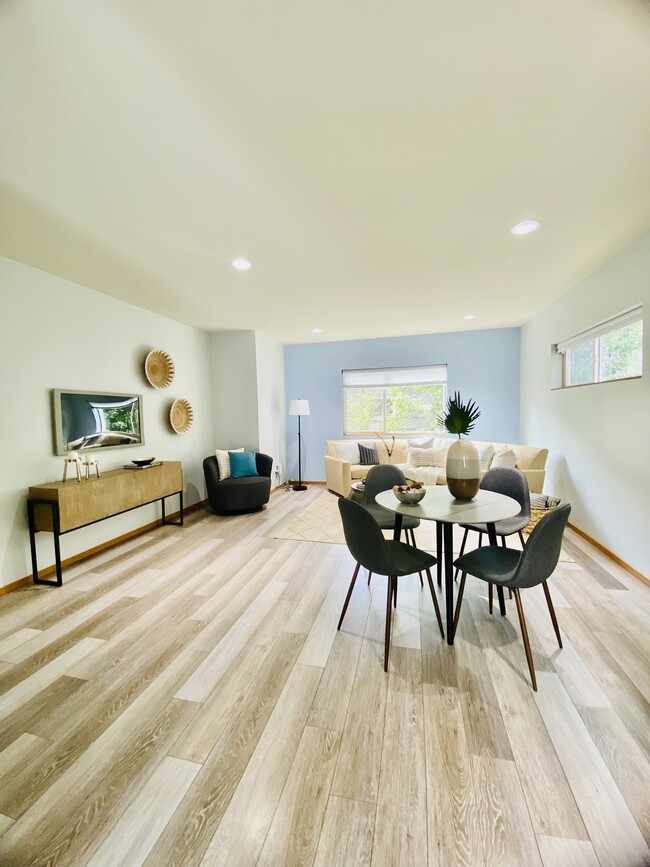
(411, 497)
(143, 462)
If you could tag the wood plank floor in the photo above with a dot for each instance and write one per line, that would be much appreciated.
(185, 699)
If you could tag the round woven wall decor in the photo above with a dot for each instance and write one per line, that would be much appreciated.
(181, 415)
(159, 368)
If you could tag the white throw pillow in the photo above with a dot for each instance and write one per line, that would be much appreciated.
(427, 457)
(442, 442)
(504, 458)
(223, 462)
(426, 443)
(348, 452)
(485, 456)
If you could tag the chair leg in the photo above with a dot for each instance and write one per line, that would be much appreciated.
(490, 597)
(369, 577)
(388, 614)
(524, 635)
(521, 539)
(459, 601)
(347, 598)
(394, 592)
(503, 542)
(551, 610)
(462, 551)
(435, 603)
(480, 540)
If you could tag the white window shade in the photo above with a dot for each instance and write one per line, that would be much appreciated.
(627, 317)
(375, 377)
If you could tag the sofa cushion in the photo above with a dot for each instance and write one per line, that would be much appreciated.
(422, 443)
(347, 451)
(223, 462)
(368, 455)
(485, 456)
(427, 457)
(504, 458)
(242, 465)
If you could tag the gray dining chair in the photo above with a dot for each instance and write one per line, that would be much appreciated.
(513, 483)
(383, 477)
(518, 570)
(382, 556)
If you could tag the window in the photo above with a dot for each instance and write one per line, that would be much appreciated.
(613, 349)
(394, 400)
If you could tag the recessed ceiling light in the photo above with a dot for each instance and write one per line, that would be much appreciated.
(241, 264)
(470, 316)
(317, 330)
(525, 227)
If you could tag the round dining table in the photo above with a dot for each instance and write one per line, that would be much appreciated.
(440, 506)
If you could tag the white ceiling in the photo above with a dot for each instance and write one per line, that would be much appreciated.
(369, 158)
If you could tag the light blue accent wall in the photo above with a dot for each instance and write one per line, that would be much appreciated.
(482, 365)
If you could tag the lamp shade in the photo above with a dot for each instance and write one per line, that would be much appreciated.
(299, 407)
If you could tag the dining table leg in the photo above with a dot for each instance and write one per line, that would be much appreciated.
(448, 552)
(492, 538)
(397, 530)
(439, 552)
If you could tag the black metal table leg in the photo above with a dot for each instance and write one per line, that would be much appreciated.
(448, 548)
(56, 532)
(492, 537)
(439, 552)
(178, 523)
(397, 531)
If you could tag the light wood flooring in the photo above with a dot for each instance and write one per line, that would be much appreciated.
(185, 699)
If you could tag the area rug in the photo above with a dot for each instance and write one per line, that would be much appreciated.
(320, 521)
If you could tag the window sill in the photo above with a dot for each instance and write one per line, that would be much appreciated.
(602, 382)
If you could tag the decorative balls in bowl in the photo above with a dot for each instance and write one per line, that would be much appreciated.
(410, 494)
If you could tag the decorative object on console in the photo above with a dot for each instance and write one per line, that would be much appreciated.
(143, 462)
(463, 467)
(159, 368)
(90, 461)
(72, 458)
(181, 415)
(299, 407)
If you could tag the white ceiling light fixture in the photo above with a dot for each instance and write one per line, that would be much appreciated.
(526, 227)
(241, 264)
(317, 330)
(470, 316)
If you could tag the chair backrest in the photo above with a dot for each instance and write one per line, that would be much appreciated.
(380, 478)
(364, 538)
(542, 550)
(511, 482)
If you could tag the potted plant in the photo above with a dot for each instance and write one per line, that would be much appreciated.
(463, 467)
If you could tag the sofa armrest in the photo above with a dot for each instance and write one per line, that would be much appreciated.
(535, 480)
(338, 475)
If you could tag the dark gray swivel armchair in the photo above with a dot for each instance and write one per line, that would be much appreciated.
(231, 496)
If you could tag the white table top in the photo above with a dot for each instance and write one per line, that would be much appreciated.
(439, 505)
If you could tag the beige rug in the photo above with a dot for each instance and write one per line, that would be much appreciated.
(321, 522)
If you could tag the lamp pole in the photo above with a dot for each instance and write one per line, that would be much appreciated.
(299, 408)
(299, 486)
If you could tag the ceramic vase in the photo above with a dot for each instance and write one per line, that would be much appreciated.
(463, 469)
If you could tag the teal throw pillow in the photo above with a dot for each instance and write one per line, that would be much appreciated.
(242, 464)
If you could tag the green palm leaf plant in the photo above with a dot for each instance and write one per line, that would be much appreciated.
(459, 416)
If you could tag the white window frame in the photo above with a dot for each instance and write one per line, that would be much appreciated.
(385, 377)
(594, 335)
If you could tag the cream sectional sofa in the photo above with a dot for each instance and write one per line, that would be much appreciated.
(340, 473)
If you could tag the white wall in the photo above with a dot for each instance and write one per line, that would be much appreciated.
(271, 408)
(598, 436)
(57, 334)
(234, 390)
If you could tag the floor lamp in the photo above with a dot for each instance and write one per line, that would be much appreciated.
(299, 407)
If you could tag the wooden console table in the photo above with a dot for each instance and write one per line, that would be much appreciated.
(60, 507)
